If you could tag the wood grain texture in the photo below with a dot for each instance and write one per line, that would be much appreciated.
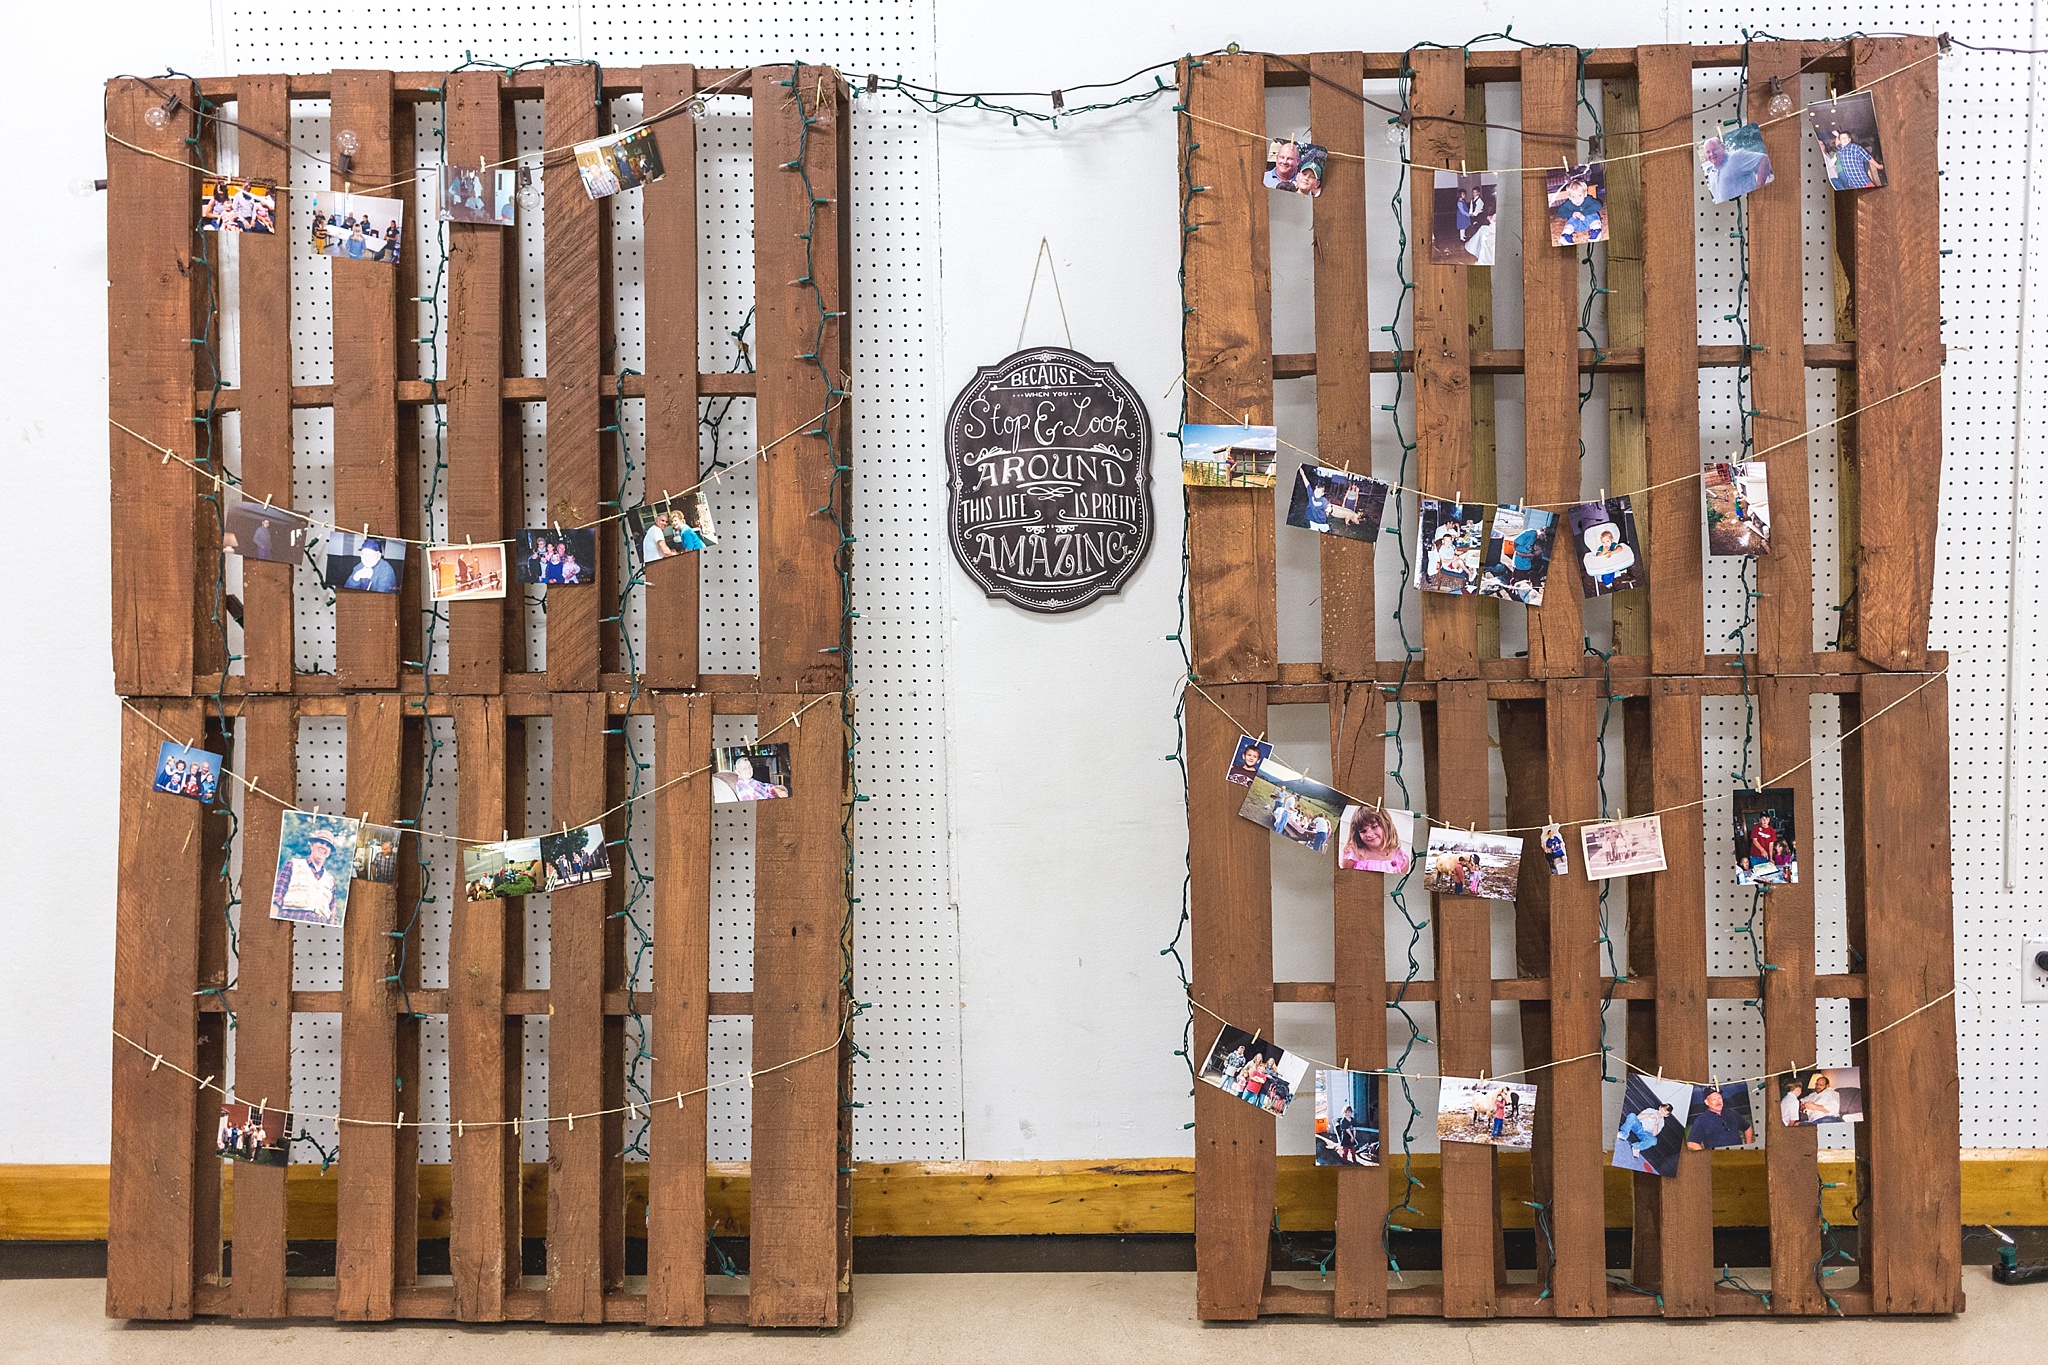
(1227, 347)
(476, 416)
(1358, 721)
(265, 291)
(1628, 452)
(1479, 317)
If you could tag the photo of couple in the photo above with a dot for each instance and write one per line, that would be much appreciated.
(1295, 166)
(675, 526)
(1462, 212)
(1258, 1071)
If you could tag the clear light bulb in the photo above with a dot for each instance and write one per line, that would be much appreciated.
(347, 143)
(1397, 131)
(158, 116)
(697, 108)
(1781, 99)
(529, 189)
(85, 187)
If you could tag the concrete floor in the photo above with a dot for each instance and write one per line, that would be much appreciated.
(914, 1319)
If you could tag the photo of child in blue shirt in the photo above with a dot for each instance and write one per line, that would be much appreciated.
(1578, 205)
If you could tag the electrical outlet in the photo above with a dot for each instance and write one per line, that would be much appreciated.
(2034, 976)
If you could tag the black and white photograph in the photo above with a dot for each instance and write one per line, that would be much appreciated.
(182, 770)
(1451, 540)
(1347, 1118)
(1738, 508)
(256, 530)
(549, 558)
(357, 226)
(1623, 848)
(1720, 1118)
(1294, 807)
(238, 206)
(1463, 210)
(1831, 1094)
(1227, 456)
(1846, 129)
(750, 772)
(1651, 1136)
(474, 195)
(509, 867)
(1497, 1113)
(674, 526)
(1295, 165)
(376, 854)
(1518, 555)
(1337, 502)
(1733, 162)
(1256, 1070)
(620, 161)
(575, 856)
(360, 563)
(316, 862)
(1244, 765)
(1461, 862)
(251, 1133)
(1766, 842)
(1604, 538)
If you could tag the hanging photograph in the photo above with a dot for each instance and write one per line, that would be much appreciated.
(1495, 1113)
(1471, 863)
(1738, 509)
(1720, 1118)
(1336, 502)
(357, 226)
(575, 857)
(1256, 1070)
(510, 867)
(238, 206)
(750, 772)
(1376, 839)
(473, 195)
(1554, 850)
(1846, 129)
(1733, 162)
(1831, 1094)
(376, 854)
(251, 1133)
(1578, 204)
(1451, 538)
(1623, 848)
(316, 862)
(1604, 535)
(1347, 1118)
(464, 573)
(674, 526)
(1766, 843)
(1294, 807)
(1244, 766)
(1227, 457)
(622, 161)
(360, 563)
(256, 530)
(1295, 166)
(182, 770)
(1462, 213)
(1518, 555)
(1652, 1132)
(557, 558)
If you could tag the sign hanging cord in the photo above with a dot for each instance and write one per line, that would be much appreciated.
(1044, 257)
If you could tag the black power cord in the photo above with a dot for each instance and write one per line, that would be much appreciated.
(2009, 1270)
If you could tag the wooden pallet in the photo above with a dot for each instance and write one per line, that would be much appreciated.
(166, 1230)
(1895, 772)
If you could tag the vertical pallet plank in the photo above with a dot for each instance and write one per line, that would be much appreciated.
(1525, 768)
(1671, 376)
(367, 1263)
(409, 319)
(612, 1069)
(574, 286)
(216, 833)
(797, 279)
(1777, 331)
(265, 279)
(670, 266)
(682, 975)
(1358, 716)
(512, 358)
(153, 1159)
(150, 208)
(1627, 447)
(1479, 312)
(1443, 348)
(263, 1002)
(576, 978)
(799, 1002)
(405, 1202)
(483, 1044)
(1898, 328)
(1343, 359)
(1911, 1212)
(1550, 312)
(1227, 346)
(366, 465)
(476, 425)
(1230, 931)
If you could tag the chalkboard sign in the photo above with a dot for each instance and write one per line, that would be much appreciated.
(1048, 458)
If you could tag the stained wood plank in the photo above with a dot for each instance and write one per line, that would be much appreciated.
(1525, 767)
(1227, 344)
(216, 833)
(1479, 314)
(1358, 721)
(476, 417)
(1628, 451)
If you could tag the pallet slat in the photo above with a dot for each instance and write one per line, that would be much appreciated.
(1357, 724)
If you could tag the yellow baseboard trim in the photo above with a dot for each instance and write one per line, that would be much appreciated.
(1009, 1198)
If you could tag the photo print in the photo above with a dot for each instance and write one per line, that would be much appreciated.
(1733, 162)
(1472, 863)
(1720, 1118)
(1496, 1113)
(1738, 508)
(750, 772)
(182, 770)
(1294, 807)
(1766, 843)
(1578, 204)
(1462, 213)
(251, 1133)
(1553, 849)
(1375, 839)
(465, 573)
(1623, 848)
(360, 563)
(557, 558)
(316, 862)
(1296, 166)
(1256, 1070)
(510, 867)
(1347, 1118)
(1244, 766)
(1337, 502)
(1604, 534)
(622, 161)
(576, 857)
(1832, 1094)
(376, 854)
(477, 195)
(238, 206)
(1846, 129)
(1652, 1131)
(256, 530)
(1518, 555)
(357, 226)
(1227, 457)
(1452, 536)
(671, 527)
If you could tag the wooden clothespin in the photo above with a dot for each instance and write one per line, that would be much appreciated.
(1346, 1066)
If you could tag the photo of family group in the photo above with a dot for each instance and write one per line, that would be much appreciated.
(376, 854)
(1846, 129)
(256, 530)
(1831, 1094)
(621, 161)
(1337, 502)
(750, 772)
(575, 856)
(1578, 204)
(360, 563)
(1347, 1118)
(1720, 1118)
(251, 1133)
(1462, 212)
(1554, 850)
(1766, 843)
(557, 558)
(357, 226)
(1518, 555)
(1293, 806)
(477, 196)
(316, 863)
(1461, 862)
(1623, 848)
(673, 526)
(1738, 508)
(1449, 543)
(464, 573)
(182, 770)
(1609, 554)
(1733, 162)
(1652, 1132)
(1227, 457)
(1256, 1070)
(1375, 839)
(237, 206)
(510, 867)
(1496, 1113)
(1295, 166)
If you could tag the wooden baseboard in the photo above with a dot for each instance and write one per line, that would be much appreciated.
(1010, 1198)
